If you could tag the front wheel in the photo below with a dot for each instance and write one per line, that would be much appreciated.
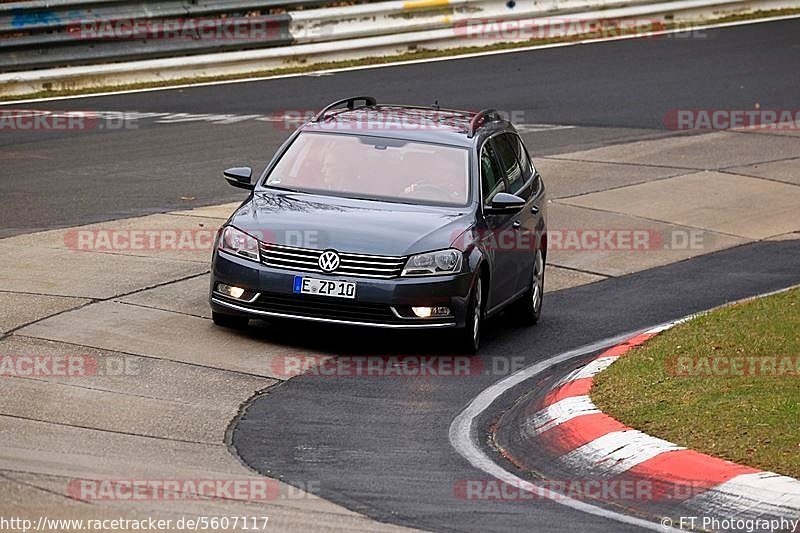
(529, 307)
(469, 338)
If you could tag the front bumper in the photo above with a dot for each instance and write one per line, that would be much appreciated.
(379, 303)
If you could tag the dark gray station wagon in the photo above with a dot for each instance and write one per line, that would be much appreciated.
(387, 216)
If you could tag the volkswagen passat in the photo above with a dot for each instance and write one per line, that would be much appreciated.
(391, 217)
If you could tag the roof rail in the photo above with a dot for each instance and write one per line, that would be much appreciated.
(482, 117)
(350, 103)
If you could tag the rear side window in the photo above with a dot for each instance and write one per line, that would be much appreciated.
(522, 156)
(510, 166)
(491, 179)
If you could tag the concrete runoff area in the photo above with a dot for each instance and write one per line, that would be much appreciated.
(713, 201)
(188, 297)
(697, 151)
(570, 178)
(614, 244)
(158, 333)
(787, 170)
(79, 274)
(179, 381)
(18, 309)
(158, 236)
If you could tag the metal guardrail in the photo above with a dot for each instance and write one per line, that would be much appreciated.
(44, 34)
(296, 35)
(57, 33)
(49, 15)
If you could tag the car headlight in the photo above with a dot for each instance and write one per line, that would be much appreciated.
(239, 243)
(432, 263)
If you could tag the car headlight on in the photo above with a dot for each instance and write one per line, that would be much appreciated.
(239, 243)
(432, 263)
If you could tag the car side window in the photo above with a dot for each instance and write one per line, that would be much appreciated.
(532, 182)
(522, 155)
(491, 179)
(508, 160)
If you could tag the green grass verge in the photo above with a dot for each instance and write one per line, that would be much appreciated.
(751, 420)
(380, 60)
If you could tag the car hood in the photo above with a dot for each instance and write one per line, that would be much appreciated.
(349, 225)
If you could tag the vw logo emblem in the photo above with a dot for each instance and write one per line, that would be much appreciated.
(329, 261)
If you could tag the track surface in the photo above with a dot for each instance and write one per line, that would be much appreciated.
(380, 445)
(613, 92)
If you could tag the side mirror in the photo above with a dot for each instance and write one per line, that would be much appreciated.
(504, 202)
(239, 177)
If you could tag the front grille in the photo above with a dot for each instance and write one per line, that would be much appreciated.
(330, 308)
(306, 259)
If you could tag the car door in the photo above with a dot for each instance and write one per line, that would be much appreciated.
(520, 181)
(533, 191)
(499, 226)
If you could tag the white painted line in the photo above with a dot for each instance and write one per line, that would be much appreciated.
(558, 413)
(616, 452)
(463, 433)
(750, 496)
(399, 63)
(588, 371)
(462, 428)
(292, 119)
(535, 128)
(664, 327)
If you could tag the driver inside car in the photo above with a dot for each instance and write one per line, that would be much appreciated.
(442, 180)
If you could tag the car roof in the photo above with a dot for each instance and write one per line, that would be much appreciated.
(424, 124)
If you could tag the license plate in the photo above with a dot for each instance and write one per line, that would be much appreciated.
(324, 287)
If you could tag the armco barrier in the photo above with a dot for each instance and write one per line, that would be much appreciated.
(41, 34)
(60, 34)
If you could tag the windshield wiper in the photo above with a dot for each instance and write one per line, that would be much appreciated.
(278, 187)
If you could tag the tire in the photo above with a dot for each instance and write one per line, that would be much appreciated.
(229, 321)
(528, 309)
(469, 337)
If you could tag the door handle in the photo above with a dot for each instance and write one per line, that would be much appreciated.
(517, 224)
(534, 209)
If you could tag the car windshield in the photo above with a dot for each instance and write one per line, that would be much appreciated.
(374, 168)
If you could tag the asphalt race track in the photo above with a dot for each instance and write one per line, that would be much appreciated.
(613, 92)
(380, 445)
